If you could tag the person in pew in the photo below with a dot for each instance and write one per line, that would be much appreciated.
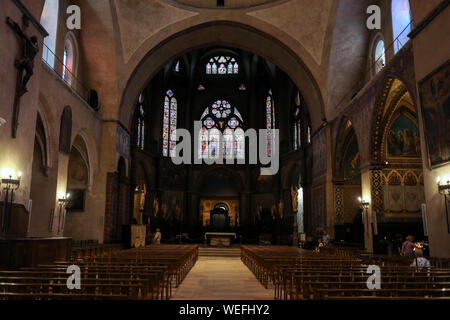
(158, 236)
(319, 246)
(325, 239)
(408, 247)
(420, 261)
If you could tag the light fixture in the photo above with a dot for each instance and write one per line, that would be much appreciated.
(443, 188)
(363, 203)
(2, 121)
(10, 183)
(64, 203)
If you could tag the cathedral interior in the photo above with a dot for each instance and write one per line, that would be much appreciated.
(240, 130)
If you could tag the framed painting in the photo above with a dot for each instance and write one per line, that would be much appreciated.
(434, 92)
(77, 199)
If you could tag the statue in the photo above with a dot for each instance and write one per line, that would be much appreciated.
(30, 50)
(281, 209)
(156, 206)
(259, 212)
(294, 194)
(273, 211)
(25, 63)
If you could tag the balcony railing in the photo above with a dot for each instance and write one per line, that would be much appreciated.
(360, 84)
(54, 63)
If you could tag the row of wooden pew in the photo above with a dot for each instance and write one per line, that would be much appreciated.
(94, 250)
(147, 273)
(296, 274)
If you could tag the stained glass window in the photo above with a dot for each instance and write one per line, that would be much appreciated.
(170, 124)
(223, 65)
(297, 126)
(221, 118)
(64, 64)
(140, 130)
(380, 57)
(270, 123)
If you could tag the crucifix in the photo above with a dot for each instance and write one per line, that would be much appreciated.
(25, 64)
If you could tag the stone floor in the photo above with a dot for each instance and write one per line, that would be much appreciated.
(221, 278)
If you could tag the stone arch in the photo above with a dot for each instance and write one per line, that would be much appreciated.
(71, 43)
(226, 33)
(91, 150)
(65, 131)
(393, 90)
(346, 133)
(46, 119)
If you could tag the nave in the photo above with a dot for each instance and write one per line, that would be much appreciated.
(164, 272)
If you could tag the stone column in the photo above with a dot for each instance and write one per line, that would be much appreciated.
(371, 191)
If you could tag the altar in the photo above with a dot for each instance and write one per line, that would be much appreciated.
(222, 239)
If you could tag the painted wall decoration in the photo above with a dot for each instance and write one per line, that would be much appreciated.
(352, 161)
(403, 138)
(172, 205)
(123, 141)
(435, 100)
(403, 192)
(207, 205)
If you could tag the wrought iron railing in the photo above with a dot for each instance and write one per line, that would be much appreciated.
(55, 63)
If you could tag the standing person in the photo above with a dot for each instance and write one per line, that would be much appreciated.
(408, 247)
(158, 236)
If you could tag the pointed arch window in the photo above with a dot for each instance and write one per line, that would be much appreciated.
(297, 126)
(221, 119)
(270, 123)
(222, 65)
(140, 128)
(379, 56)
(70, 59)
(170, 124)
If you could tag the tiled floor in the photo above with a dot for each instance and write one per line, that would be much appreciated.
(221, 278)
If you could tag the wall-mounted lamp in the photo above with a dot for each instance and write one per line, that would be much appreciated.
(2, 121)
(444, 189)
(363, 203)
(10, 183)
(64, 202)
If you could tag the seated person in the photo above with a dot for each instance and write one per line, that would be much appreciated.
(158, 236)
(325, 239)
(420, 261)
(319, 246)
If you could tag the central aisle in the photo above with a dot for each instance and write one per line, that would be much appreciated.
(221, 278)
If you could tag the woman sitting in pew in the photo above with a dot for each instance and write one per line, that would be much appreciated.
(420, 261)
